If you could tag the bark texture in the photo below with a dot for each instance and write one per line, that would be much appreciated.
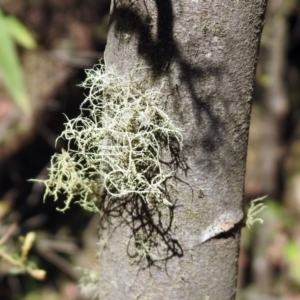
(206, 52)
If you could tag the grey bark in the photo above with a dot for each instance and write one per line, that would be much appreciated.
(206, 52)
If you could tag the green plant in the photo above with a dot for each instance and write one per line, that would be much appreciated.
(12, 30)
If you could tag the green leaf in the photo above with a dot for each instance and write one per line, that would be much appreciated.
(20, 33)
(10, 68)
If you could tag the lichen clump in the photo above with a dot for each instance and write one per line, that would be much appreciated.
(122, 142)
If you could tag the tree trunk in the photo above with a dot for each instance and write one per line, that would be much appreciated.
(206, 53)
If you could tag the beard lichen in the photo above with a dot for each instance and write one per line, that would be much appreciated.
(123, 152)
(120, 138)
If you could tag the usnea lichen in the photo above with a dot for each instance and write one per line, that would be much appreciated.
(117, 143)
(89, 283)
(256, 206)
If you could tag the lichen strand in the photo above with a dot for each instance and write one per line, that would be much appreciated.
(72, 178)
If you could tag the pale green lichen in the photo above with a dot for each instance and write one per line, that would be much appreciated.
(123, 152)
(116, 143)
(89, 283)
(255, 208)
(71, 178)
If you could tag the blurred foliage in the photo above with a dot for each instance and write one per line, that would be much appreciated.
(12, 32)
(292, 257)
(71, 36)
(18, 259)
